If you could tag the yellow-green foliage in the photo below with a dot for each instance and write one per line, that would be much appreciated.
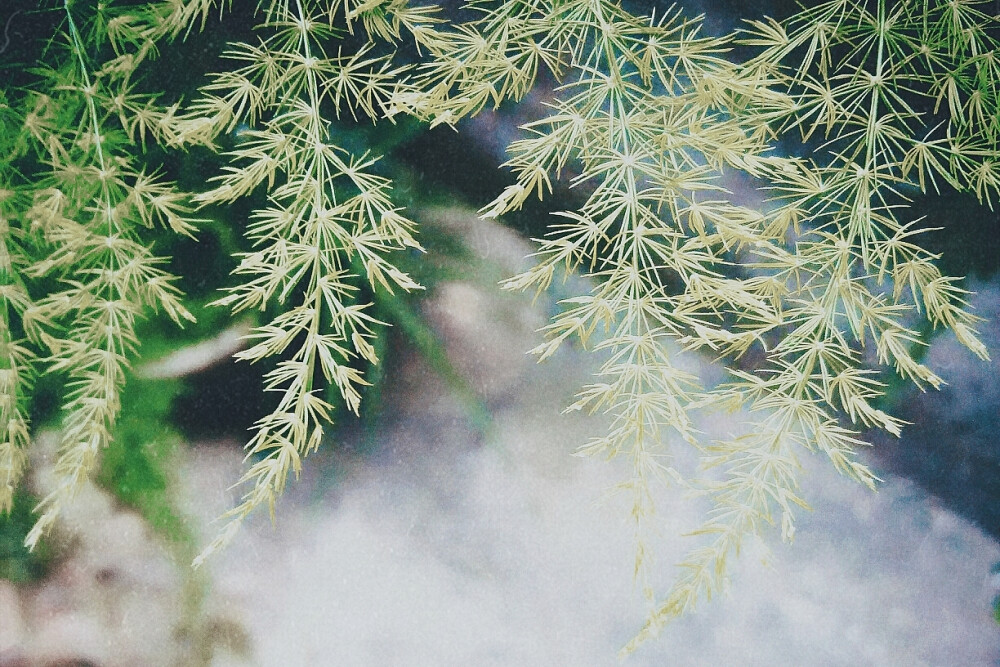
(823, 285)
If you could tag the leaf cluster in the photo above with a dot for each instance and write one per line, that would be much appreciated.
(811, 298)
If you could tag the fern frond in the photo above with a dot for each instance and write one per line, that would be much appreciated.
(86, 213)
(327, 212)
(649, 116)
(16, 359)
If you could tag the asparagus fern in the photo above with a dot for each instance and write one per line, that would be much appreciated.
(842, 114)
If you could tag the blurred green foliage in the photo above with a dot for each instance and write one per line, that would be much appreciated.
(135, 465)
(17, 564)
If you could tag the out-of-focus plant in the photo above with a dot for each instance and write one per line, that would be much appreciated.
(17, 563)
(822, 286)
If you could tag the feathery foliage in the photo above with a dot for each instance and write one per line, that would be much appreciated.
(326, 208)
(82, 214)
(840, 115)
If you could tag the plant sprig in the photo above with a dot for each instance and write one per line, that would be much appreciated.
(811, 299)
